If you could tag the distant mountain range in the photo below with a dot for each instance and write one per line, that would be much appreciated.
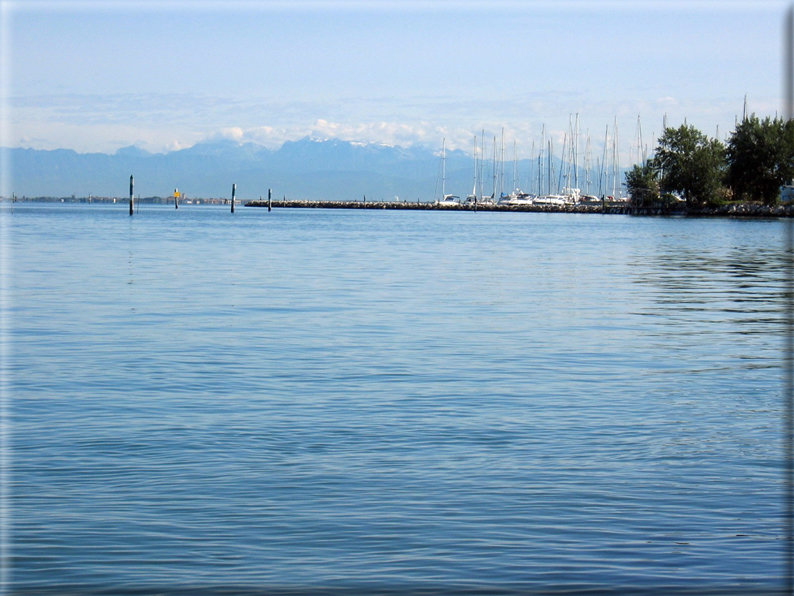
(310, 168)
(304, 169)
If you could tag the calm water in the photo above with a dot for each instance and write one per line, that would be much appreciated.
(393, 400)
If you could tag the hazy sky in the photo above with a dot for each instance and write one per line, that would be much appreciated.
(96, 76)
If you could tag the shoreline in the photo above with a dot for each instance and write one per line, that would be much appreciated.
(752, 210)
(740, 210)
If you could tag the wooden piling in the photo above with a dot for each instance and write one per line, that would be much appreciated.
(132, 196)
(234, 193)
(269, 193)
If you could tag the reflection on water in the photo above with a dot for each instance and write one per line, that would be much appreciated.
(402, 399)
(712, 295)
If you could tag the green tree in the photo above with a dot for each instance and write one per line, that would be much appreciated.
(642, 184)
(760, 158)
(691, 165)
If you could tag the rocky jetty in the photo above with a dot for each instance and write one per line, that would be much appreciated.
(746, 210)
(583, 208)
(741, 210)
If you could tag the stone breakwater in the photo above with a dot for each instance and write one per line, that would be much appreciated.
(592, 208)
(746, 210)
(743, 209)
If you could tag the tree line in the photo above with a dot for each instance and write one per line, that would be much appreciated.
(756, 160)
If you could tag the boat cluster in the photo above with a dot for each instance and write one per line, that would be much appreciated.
(554, 178)
(569, 196)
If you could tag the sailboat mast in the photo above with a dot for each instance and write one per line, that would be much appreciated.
(515, 165)
(502, 166)
(576, 152)
(613, 158)
(602, 170)
(474, 153)
(617, 161)
(531, 165)
(564, 164)
(482, 159)
(541, 164)
(493, 196)
(567, 159)
(598, 165)
(548, 166)
(443, 169)
(588, 158)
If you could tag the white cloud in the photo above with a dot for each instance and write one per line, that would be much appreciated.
(388, 133)
(171, 146)
(160, 123)
(235, 133)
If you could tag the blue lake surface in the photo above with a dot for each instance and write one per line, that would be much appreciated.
(392, 400)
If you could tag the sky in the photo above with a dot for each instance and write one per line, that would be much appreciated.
(164, 75)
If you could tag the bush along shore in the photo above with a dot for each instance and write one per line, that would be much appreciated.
(623, 208)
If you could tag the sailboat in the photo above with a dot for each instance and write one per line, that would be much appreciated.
(548, 198)
(503, 197)
(472, 198)
(446, 199)
(517, 197)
